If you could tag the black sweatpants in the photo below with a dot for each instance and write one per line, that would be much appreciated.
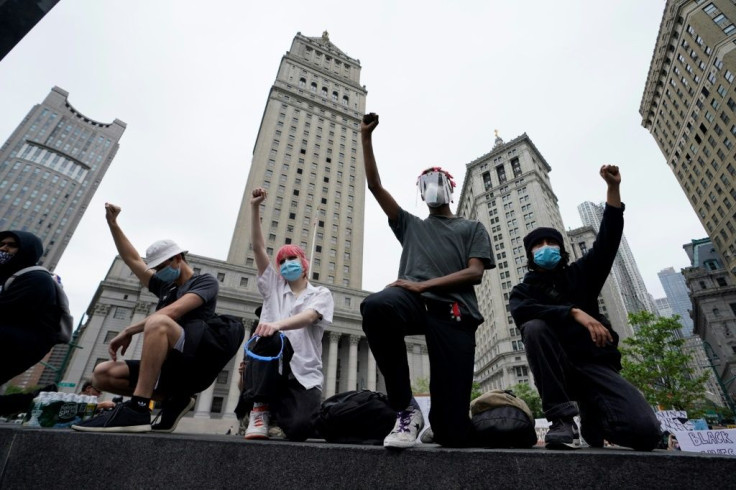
(610, 407)
(293, 407)
(390, 315)
(21, 348)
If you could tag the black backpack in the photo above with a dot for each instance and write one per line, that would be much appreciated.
(502, 420)
(66, 322)
(356, 417)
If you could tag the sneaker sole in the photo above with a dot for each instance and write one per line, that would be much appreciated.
(256, 437)
(189, 406)
(398, 444)
(562, 445)
(130, 428)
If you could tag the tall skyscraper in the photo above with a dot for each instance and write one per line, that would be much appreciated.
(678, 297)
(508, 190)
(307, 155)
(689, 107)
(50, 168)
(625, 272)
(663, 307)
(713, 297)
(610, 301)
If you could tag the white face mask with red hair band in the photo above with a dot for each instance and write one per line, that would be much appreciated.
(435, 188)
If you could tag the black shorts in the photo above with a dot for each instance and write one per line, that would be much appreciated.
(208, 347)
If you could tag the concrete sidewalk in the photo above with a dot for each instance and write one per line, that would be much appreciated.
(49, 459)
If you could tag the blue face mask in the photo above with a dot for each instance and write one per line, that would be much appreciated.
(168, 274)
(5, 257)
(547, 257)
(291, 270)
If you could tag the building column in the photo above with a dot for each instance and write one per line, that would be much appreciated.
(233, 392)
(425, 362)
(82, 358)
(417, 361)
(371, 371)
(136, 346)
(330, 387)
(204, 403)
(353, 363)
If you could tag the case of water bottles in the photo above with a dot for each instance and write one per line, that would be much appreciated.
(59, 410)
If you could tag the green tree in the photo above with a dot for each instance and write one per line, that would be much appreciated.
(530, 397)
(654, 362)
(475, 392)
(420, 386)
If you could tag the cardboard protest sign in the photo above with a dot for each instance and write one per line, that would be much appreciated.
(672, 420)
(708, 441)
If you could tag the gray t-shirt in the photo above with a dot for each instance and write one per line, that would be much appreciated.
(438, 246)
(205, 286)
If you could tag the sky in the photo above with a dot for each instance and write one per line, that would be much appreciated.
(191, 80)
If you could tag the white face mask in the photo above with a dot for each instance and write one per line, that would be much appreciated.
(435, 189)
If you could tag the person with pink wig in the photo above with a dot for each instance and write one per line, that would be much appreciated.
(298, 312)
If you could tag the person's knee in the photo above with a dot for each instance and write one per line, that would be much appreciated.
(102, 374)
(298, 428)
(158, 323)
(162, 325)
(640, 431)
(535, 330)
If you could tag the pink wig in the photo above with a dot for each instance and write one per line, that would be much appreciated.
(292, 251)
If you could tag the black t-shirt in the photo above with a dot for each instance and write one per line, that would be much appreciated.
(204, 285)
(438, 246)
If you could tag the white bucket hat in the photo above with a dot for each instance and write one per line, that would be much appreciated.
(161, 251)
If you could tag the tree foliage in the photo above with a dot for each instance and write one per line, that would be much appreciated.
(654, 362)
(531, 397)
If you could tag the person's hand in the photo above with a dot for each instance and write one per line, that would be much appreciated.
(414, 287)
(369, 123)
(111, 212)
(121, 341)
(610, 174)
(598, 333)
(259, 195)
(267, 329)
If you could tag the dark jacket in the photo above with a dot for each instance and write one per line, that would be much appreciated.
(550, 295)
(30, 302)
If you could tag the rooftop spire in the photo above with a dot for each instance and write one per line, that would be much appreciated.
(498, 140)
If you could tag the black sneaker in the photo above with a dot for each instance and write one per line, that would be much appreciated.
(122, 418)
(173, 410)
(562, 434)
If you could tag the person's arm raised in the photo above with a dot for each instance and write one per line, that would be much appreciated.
(612, 176)
(256, 233)
(126, 249)
(385, 200)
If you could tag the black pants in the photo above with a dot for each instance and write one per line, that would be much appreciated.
(390, 315)
(293, 407)
(21, 348)
(610, 407)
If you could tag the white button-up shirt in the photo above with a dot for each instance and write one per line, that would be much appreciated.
(279, 302)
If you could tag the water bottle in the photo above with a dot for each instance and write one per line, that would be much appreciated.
(91, 407)
(35, 410)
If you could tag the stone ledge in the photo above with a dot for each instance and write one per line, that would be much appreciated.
(38, 458)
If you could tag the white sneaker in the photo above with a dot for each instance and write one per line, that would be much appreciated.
(258, 423)
(409, 423)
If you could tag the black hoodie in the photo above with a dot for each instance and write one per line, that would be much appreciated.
(30, 302)
(550, 295)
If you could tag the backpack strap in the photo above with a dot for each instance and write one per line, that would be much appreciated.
(32, 268)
